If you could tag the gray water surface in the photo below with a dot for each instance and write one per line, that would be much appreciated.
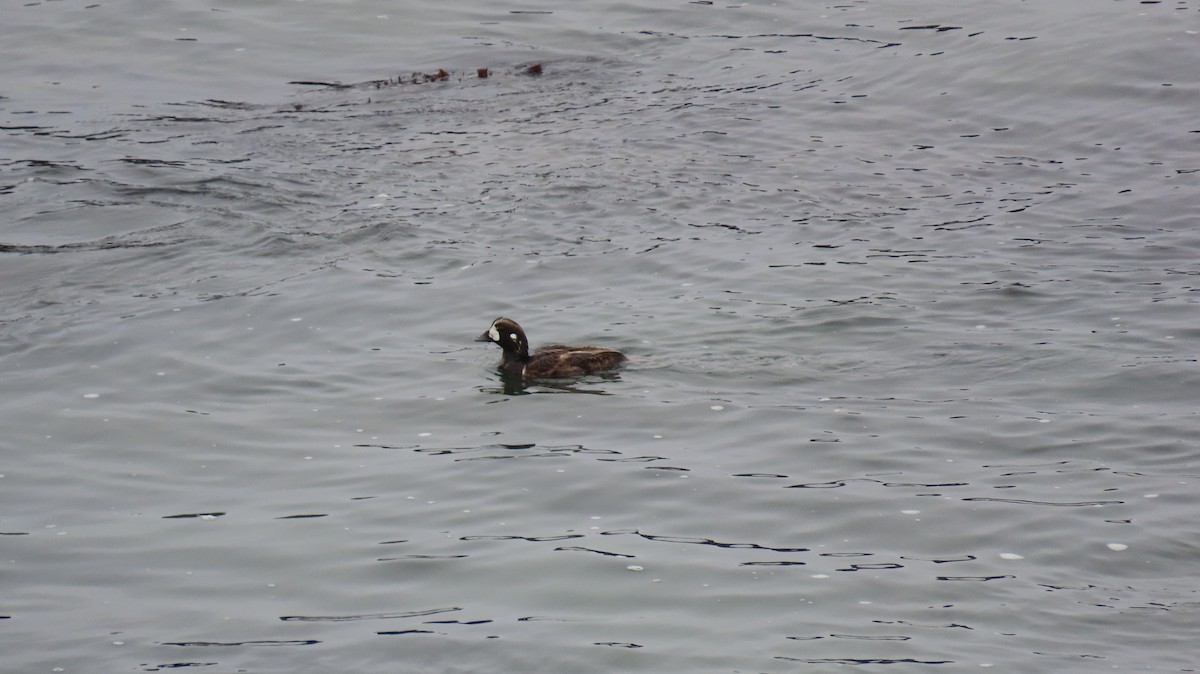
(910, 296)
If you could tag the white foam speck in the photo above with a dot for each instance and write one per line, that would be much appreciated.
(820, 576)
(1010, 555)
(1117, 547)
(910, 512)
(717, 408)
(635, 567)
(91, 396)
(297, 320)
(424, 435)
(1150, 496)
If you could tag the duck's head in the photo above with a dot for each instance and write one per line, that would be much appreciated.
(508, 334)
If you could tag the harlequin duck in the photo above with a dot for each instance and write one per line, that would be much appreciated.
(552, 360)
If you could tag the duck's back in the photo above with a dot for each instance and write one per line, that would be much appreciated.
(560, 360)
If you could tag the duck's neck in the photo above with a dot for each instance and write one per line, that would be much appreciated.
(514, 360)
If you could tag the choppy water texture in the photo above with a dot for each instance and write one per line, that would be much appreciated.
(910, 295)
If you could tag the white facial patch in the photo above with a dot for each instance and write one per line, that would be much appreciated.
(513, 336)
(494, 334)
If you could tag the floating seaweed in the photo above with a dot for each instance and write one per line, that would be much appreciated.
(440, 75)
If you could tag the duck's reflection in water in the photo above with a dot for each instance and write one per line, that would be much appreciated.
(516, 385)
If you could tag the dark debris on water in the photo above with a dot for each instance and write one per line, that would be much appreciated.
(440, 75)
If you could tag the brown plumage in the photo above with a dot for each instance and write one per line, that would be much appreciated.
(551, 360)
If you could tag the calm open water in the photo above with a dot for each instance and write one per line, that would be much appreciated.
(912, 295)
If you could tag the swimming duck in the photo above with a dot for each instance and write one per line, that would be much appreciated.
(551, 360)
